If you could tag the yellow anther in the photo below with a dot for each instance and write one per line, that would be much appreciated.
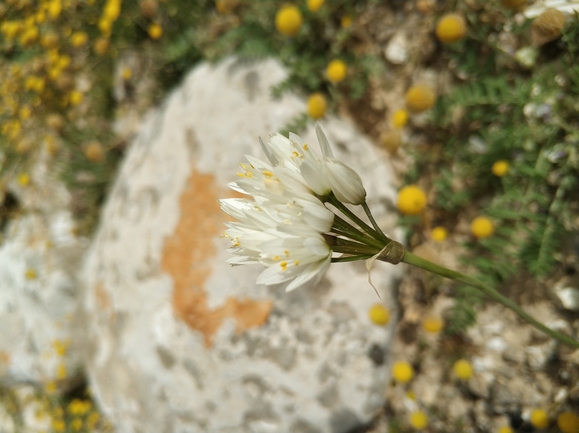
(283, 266)
(296, 262)
(276, 258)
(235, 244)
(286, 252)
(244, 166)
(295, 154)
(240, 174)
(267, 173)
(248, 174)
(306, 147)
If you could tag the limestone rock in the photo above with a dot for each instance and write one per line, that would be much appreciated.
(178, 341)
(39, 255)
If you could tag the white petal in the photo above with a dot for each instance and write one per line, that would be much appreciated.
(268, 152)
(312, 274)
(324, 143)
(314, 178)
(317, 246)
(345, 182)
(319, 218)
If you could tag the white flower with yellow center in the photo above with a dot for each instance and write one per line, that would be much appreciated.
(281, 228)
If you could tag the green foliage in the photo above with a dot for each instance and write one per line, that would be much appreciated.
(503, 113)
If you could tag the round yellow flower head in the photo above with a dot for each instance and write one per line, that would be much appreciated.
(482, 227)
(315, 5)
(411, 200)
(379, 314)
(418, 420)
(288, 20)
(505, 429)
(462, 369)
(391, 140)
(539, 418)
(400, 118)
(346, 21)
(568, 422)
(75, 97)
(23, 179)
(336, 71)
(155, 31)
(402, 371)
(500, 168)
(547, 26)
(317, 106)
(94, 151)
(101, 46)
(127, 73)
(439, 234)
(419, 98)
(105, 25)
(451, 28)
(432, 323)
(78, 39)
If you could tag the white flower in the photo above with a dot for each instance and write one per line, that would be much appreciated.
(282, 226)
(321, 175)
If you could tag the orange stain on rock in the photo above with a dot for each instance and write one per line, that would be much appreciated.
(102, 297)
(188, 256)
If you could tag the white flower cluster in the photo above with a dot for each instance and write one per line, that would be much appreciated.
(282, 226)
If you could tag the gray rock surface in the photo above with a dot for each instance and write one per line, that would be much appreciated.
(39, 256)
(178, 341)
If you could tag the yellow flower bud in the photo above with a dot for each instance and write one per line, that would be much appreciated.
(317, 106)
(336, 71)
(288, 20)
(451, 28)
(411, 200)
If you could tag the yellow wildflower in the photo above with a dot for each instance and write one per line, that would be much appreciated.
(402, 371)
(78, 39)
(315, 5)
(54, 8)
(482, 227)
(317, 106)
(379, 314)
(439, 234)
(75, 97)
(418, 420)
(155, 31)
(400, 118)
(288, 20)
(411, 200)
(500, 168)
(336, 71)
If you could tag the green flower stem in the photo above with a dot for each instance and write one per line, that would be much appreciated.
(349, 259)
(373, 221)
(354, 248)
(414, 260)
(344, 209)
(344, 228)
